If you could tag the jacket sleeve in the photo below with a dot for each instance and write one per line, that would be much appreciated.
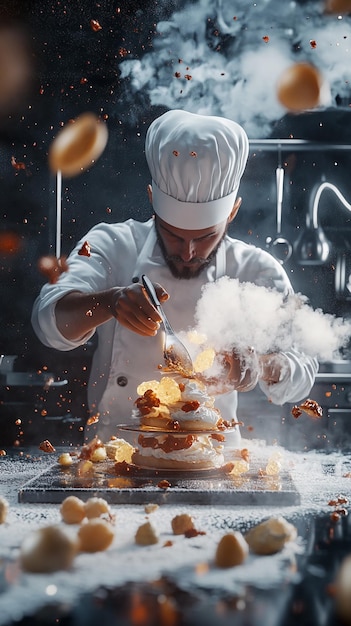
(296, 382)
(44, 322)
(113, 252)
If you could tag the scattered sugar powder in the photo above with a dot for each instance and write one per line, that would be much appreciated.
(318, 477)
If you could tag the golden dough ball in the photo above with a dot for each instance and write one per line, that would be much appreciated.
(78, 145)
(146, 535)
(299, 87)
(10, 242)
(182, 523)
(85, 467)
(342, 590)
(99, 455)
(65, 459)
(337, 6)
(94, 507)
(72, 510)
(4, 508)
(16, 67)
(271, 535)
(96, 535)
(47, 550)
(232, 550)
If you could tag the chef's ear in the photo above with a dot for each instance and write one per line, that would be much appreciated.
(149, 193)
(235, 209)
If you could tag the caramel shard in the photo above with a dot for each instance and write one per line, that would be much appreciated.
(46, 446)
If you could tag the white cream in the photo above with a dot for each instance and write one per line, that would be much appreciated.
(201, 450)
(201, 415)
(204, 414)
(192, 391)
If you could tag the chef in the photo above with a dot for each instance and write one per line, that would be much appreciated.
(196, 163)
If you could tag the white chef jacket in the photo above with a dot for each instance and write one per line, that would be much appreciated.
(123, 359)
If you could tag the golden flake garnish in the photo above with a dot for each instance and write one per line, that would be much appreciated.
(167, 389)
(196, 338)
(239, 467)
(204, 360)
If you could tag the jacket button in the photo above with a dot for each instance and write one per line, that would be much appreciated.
(122, 381)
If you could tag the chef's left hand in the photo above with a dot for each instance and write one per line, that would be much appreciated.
(273, 367)
(242, 370)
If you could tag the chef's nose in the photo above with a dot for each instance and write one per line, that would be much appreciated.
(188, 250)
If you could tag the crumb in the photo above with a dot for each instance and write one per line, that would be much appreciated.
(85, 249)
(182, 523)
(46, 446)
(150, 508)
(193, 532)
(164, 484)
(146, 535)
(95, 26)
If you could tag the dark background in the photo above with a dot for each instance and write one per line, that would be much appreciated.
(75, 69)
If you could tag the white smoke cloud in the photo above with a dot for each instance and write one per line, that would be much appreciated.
(235, 56)
(234, 315)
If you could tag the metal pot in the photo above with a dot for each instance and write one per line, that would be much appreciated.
(343, 276)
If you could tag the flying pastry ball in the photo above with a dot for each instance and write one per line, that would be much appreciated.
(10, 243)
(301, 87)
(337, 6)
(78, 145)
(16, 67)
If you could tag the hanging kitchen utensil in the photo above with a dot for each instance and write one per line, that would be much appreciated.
(281, 248)
(174, 351)
(342, 277)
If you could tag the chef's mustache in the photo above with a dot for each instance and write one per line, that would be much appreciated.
(194, 261)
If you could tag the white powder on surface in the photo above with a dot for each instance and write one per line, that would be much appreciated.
(318, 477)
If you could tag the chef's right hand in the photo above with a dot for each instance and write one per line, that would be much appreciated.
(133, 309)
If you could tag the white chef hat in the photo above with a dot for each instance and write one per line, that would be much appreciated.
(196, 163)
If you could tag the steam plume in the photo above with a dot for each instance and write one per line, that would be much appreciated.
(213, 58)
(241, 315)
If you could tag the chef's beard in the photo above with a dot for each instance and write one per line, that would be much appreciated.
(186, 272)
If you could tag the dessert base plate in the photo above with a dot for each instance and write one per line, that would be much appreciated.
(177, 433)
(128, 484)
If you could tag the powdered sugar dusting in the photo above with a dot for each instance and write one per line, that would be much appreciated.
(318, 477)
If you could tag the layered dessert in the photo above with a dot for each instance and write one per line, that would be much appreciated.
(180, 426)
(176, 403)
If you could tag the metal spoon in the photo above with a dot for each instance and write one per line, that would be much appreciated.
(174, 352)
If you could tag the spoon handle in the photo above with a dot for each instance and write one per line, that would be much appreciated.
(151, 292)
